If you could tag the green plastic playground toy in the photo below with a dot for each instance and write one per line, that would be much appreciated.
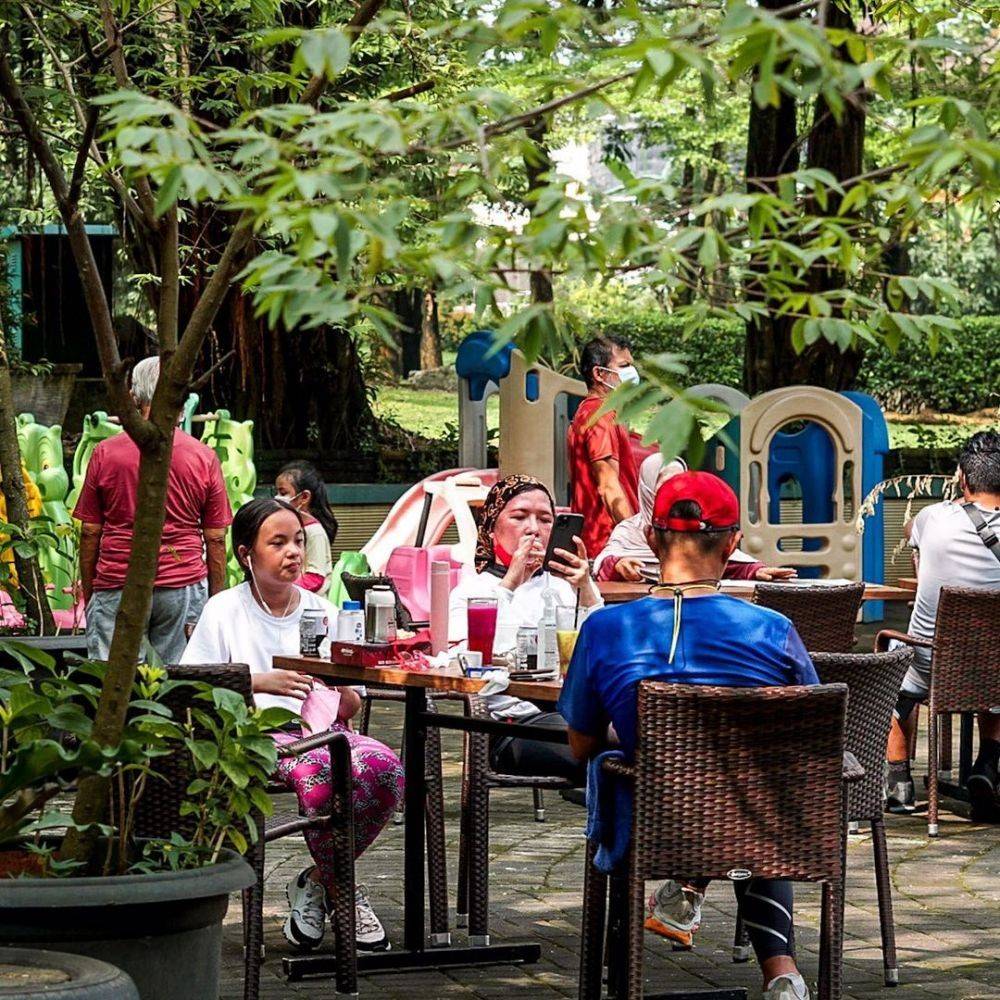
(187, 414)
(355, 563)
(42, 455)
(232, 441)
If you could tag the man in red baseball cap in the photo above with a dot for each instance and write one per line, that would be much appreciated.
(686, 632)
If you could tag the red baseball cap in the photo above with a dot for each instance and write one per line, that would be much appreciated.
(720, 510)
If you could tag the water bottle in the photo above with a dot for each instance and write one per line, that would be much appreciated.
(351, 623)
(548, 646)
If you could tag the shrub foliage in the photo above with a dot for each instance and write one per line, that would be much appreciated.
(963, 376)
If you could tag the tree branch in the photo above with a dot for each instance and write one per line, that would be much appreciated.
(504, 125)
(170, 281)
(139, 430)
(363, 16)
(203, 379)
(190, 342)
(112, 33)
(63, 68)
(83, 153)
(402, 95)
(211, 298)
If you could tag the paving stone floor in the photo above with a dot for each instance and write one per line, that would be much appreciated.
(946, 896)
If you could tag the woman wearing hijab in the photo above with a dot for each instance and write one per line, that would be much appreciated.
(628, 554)
(514, 530)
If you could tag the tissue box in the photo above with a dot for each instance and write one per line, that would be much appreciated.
(377, 654)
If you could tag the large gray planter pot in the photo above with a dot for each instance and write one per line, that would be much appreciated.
(164, 930)
(53, 975)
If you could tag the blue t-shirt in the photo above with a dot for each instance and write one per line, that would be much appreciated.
(723, 640)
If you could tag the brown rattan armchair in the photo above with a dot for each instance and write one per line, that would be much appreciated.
(478, 780)
(872, 681)
(965, 669)
(725, 779)
(824, 617)
(158, 815)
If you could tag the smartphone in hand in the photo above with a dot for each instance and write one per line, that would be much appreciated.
(564, 528)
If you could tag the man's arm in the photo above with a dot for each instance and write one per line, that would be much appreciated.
(610, 489)
(90, 546)
(584, 746)
(215, 557)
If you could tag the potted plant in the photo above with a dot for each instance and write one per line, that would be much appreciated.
(152, 907)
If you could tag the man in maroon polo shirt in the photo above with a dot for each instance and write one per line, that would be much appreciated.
(192, 560)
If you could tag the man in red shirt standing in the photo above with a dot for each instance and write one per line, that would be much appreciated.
(604, 478)
(192, 561)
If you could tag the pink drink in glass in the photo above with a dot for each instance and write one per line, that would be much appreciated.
(482, 619)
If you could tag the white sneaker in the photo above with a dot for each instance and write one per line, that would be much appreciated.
(368, 931)
(790, 986)
(307, 902)
(674, 912)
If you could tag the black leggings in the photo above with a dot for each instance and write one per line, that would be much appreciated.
(530, 758)
(766, 908)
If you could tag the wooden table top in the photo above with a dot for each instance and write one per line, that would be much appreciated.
(616, 592)
(435, 679)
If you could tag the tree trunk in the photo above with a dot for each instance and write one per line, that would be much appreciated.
(408, 305)
(770, 361)
(772, 149)
(304, 390)
(90, 805)
(31, 583)
(430, 332)
(714, 289)
(537, 168)
(836, 146)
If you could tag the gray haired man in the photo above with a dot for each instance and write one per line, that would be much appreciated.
(192, 559)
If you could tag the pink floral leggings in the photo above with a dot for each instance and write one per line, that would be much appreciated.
(378, 790)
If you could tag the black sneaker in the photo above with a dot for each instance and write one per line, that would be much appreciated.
(900, 795)
(984, 792)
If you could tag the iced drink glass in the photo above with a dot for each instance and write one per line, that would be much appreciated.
(482, 621)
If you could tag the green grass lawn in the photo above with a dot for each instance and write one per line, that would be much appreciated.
(428, 412)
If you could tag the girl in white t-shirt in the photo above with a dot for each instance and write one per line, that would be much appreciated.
(254, 622)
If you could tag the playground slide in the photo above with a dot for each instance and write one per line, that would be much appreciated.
(401, 524)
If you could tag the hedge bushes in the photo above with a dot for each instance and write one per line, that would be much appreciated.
(962, 377)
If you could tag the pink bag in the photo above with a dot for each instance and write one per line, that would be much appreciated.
(319, 710)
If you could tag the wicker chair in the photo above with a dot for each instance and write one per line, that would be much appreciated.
(965, 668)
(158, 815)
(761, 789)
(478, 780)
(824, 617)
(872, 681)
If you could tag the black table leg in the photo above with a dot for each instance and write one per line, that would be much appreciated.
(414, 735)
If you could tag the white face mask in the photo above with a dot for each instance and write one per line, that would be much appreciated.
(628, 374)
